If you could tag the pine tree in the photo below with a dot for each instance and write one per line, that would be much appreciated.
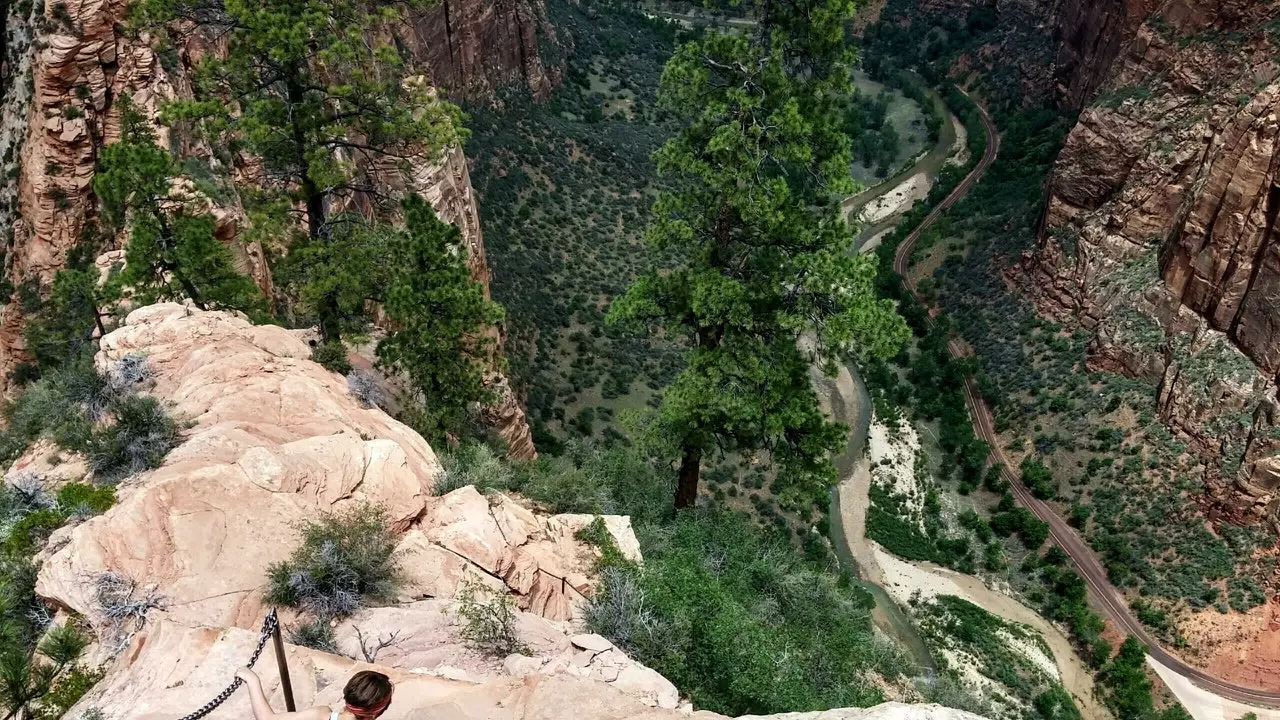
(172, 250)
(62, 333)
(767, 286)
(439, 316)
(319, 92)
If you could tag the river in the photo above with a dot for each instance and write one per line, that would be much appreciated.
(845, 398)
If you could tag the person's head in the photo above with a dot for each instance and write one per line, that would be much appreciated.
(367, 694)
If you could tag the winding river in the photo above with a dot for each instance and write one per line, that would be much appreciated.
(846, 399)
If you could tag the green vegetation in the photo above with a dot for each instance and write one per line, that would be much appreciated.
(311, 91)
(488, 619)
(764, 256)
(120, 432)
(718, 600)
(438, 317)
(717, 629)
(998, 650)
(566, 189)
(38, 685)
(343, 563)
(172, 251)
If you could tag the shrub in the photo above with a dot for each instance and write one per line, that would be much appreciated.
(364, 388)
(473, 464)
(141, 437)
(123, 605)
(332, 355)
(718, 601)
(130, 371)
(344, 561)
(488, 619)
(315, 633)
(66, 692)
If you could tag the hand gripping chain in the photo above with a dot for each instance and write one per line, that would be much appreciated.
(269, 624)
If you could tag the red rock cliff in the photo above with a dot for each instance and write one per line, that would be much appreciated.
(1159, 228)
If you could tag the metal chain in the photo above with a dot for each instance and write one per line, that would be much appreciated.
(269, 625)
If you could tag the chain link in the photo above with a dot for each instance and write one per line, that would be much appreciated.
(269, 625)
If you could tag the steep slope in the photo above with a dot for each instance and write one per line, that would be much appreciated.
(1159, 230)
(67, 65)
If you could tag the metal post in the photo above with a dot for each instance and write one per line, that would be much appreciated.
(286, 686)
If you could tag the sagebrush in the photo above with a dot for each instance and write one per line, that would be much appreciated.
(344, 562)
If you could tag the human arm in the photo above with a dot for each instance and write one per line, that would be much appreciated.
(262, 709)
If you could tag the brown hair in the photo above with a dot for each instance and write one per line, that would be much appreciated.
(367, 690)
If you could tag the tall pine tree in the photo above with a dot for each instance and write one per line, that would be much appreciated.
(767, 285)
(439, 317)
(318, 90)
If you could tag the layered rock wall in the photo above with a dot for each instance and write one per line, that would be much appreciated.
(1159, 228)
(474, 47)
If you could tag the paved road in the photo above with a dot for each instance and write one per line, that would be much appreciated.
(1090, 568)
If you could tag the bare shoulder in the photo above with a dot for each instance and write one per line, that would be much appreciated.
(315, 713)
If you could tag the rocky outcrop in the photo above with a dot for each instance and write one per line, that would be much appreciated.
(272, 438)
(171, 670)
(474, 47)
(275, 438)
(1092, 34)
(1159, 229)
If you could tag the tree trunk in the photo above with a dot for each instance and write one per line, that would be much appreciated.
(690, 468)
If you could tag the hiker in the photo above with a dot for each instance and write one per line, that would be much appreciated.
(367, 696)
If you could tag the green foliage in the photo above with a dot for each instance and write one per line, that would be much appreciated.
(598, 536)
(488, 619)
(998, 649)
(172, 251)
(1038, 478)
(317, 91)
(1128, 691)
(717, 603)
(1056, 704)
(315, 633)
(333, 356)
(81, 411)
(763, 252)
(438, 317)
(588, 479)
(66, 691)
(477, 465)
(344, 561)
(44, 688)
(61, 334)
(141, 436)
(564, 202)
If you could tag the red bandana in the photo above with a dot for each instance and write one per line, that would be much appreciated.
(369, 713)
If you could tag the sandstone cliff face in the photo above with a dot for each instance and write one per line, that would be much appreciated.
(67, 64)
(474, 47)
(1159, 230)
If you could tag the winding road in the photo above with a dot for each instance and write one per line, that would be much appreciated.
(1086, 562)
